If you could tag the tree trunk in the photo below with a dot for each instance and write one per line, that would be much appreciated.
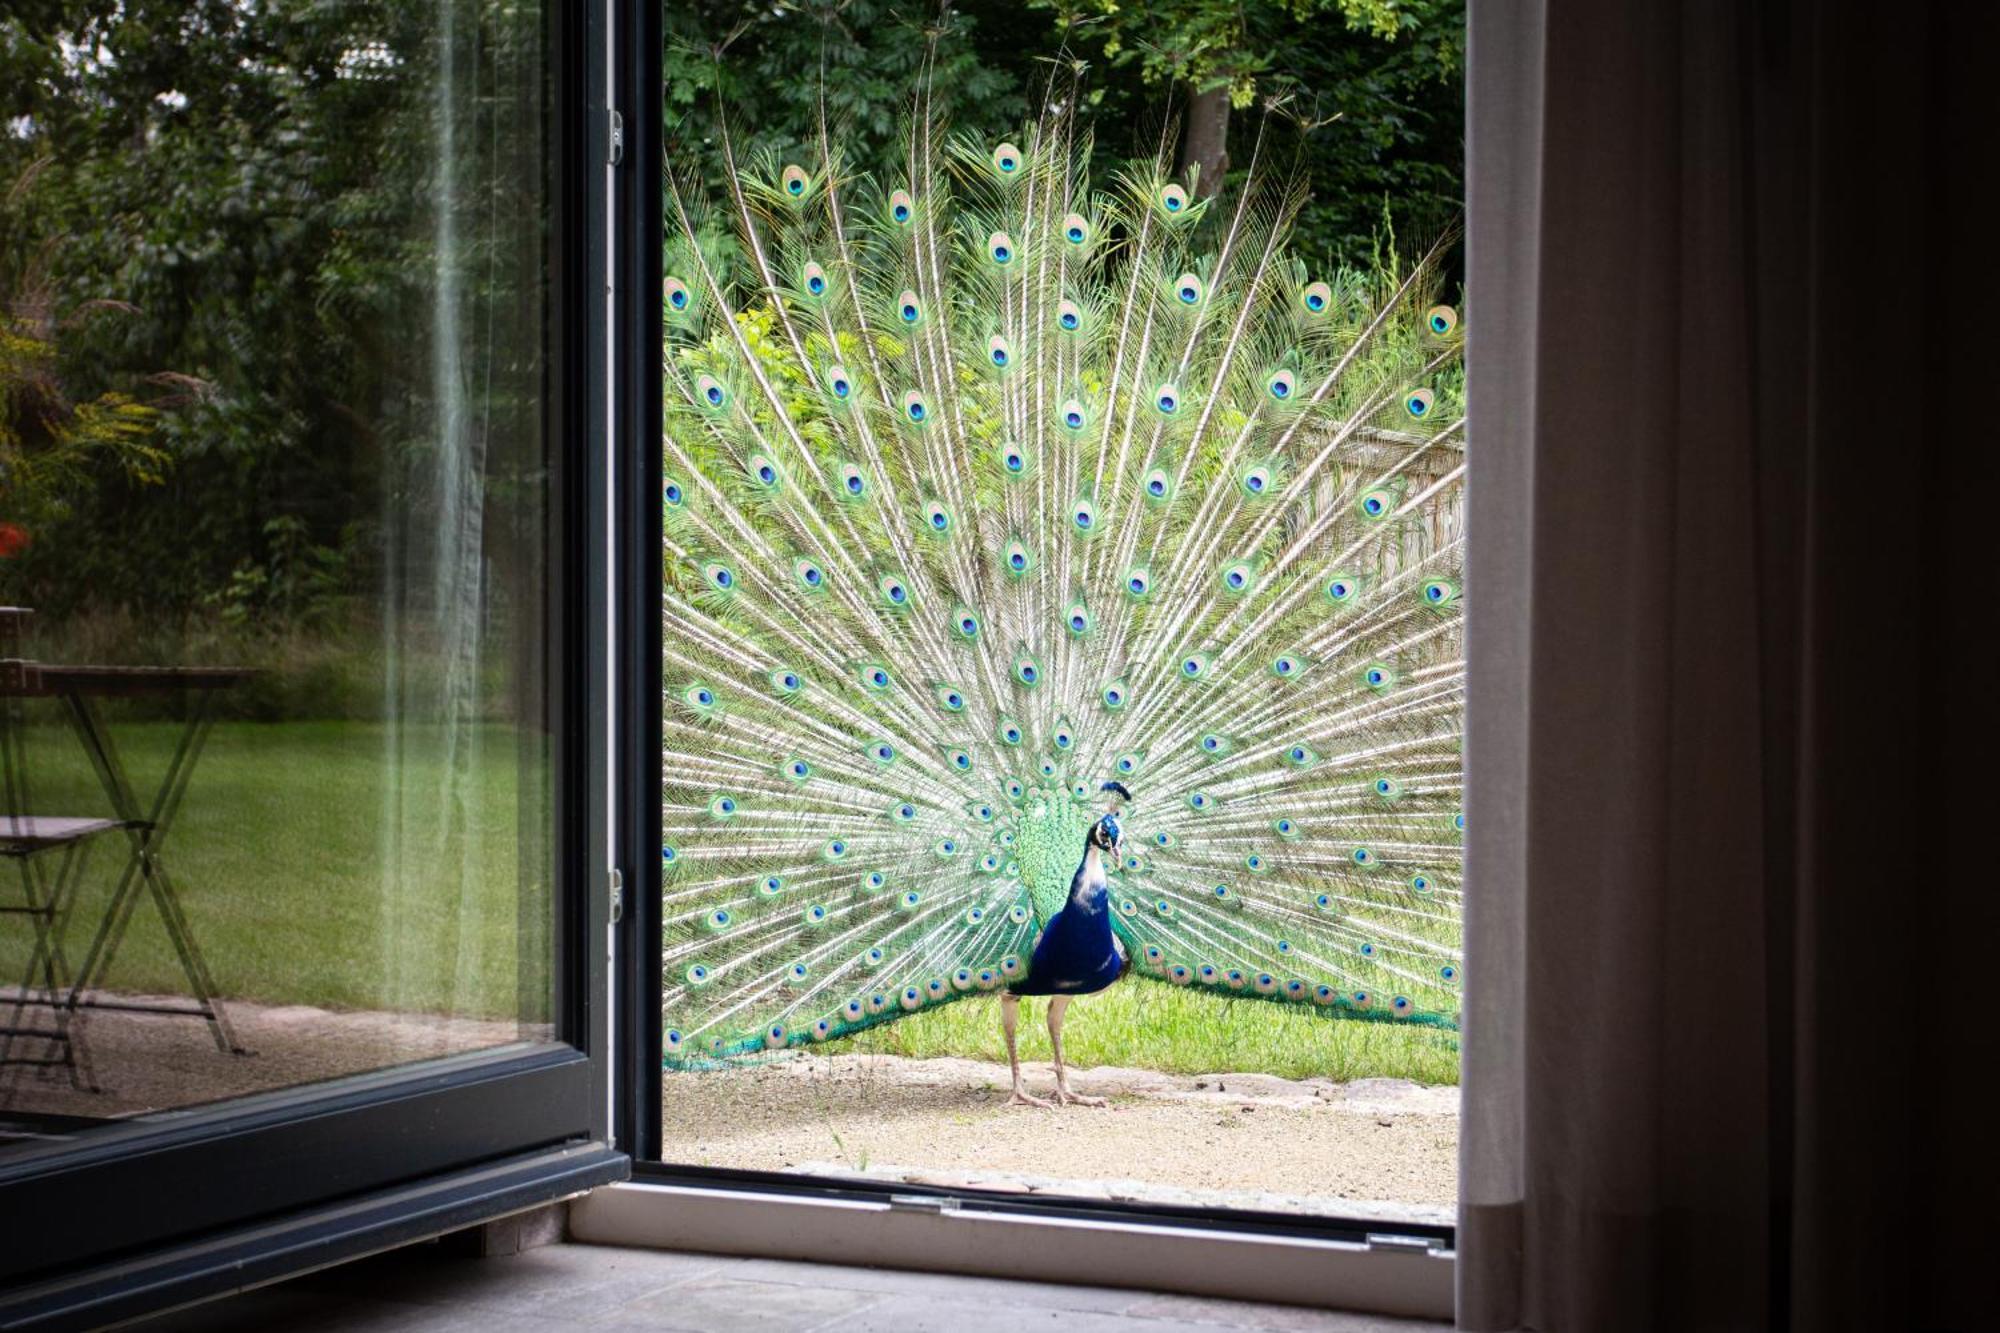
(1205, 139)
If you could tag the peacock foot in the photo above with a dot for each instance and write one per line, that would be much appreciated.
(1064, 1097)
(1021, 1098)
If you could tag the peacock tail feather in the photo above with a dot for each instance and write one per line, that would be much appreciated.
(984, 487)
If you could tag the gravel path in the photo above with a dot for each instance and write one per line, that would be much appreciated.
(1382, 1147)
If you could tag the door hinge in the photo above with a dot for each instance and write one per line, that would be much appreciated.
(615, 140)
(617, 878)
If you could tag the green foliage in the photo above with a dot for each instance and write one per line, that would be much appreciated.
(51, 442)
(1377, 82)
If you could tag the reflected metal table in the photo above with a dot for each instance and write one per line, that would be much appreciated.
(146, 827)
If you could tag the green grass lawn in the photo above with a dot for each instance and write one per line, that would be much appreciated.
(280, 854)
(1147, 1025)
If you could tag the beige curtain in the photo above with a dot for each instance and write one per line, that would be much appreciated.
(1729, 911)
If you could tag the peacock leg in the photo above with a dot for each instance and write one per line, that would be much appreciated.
(1010, 1021)
(1058, 1005)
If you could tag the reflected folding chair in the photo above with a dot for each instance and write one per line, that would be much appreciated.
(31, 842)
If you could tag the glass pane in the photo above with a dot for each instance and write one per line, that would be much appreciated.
(275, 505)
(1063, 575)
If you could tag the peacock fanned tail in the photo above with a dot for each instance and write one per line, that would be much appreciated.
(984, 487)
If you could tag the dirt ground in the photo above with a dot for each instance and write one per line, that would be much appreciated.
(1377, 1148)
(151, 1063)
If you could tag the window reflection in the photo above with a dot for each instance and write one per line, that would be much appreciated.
(274, 496)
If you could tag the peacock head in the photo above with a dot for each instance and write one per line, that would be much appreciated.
(1105, 834)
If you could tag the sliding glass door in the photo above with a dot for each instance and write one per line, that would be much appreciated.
(299, 610)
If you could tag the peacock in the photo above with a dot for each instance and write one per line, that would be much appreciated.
(1061, 583)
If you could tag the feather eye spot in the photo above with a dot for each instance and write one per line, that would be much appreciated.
(1158, 484)
(711, 392)
(1000, 248)
(1418, 403)
(678, 297)
(1006, 159)
(1076, 229)
(1440, 594)
(1138, 583)
(794, 180)
(1318, 297)
(815, 279)
(1379, 677)
(838, 382)
(915, 408)
(1199, 801)
(1188, 289)
(1377, 503)
(673, 493)
(901, 207)
(1114, 696)
(999, 353)
(1440, 320)
(1072, 416)
(1173, 200)
(1084, 515)
(1069, 316)
(1282, 385)
(908, 308)
(1340, 589)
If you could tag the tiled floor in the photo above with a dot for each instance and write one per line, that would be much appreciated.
(573, 1287)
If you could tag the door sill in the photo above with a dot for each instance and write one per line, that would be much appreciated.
(1394, 1275)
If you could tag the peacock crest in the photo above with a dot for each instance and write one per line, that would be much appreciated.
(985, 487)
